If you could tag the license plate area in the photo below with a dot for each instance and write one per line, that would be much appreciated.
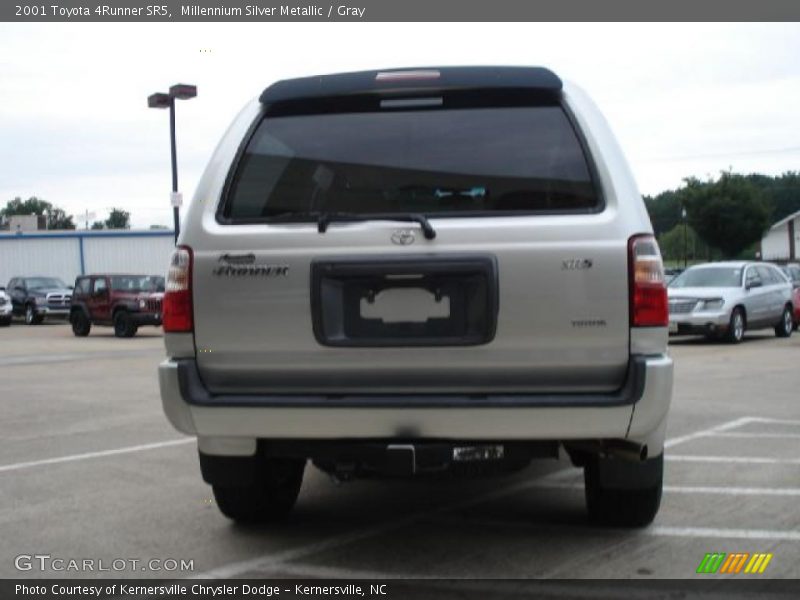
(404, 301)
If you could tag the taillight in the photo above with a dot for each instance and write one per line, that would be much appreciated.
(648, 300)
(178, 292)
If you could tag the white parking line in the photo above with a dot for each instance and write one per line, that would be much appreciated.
(40, 359)
(705, 432)
(730, 491)
(753, 434)
(688, 489)
(736, 534)
(655, 530)
(776, 421)
(732, 459)
(98, 454)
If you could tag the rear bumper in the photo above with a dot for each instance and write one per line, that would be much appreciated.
(231, 424)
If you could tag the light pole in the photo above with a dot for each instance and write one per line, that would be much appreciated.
(683, 216)
(180, 91)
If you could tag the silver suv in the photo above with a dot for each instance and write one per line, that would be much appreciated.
(406, 272)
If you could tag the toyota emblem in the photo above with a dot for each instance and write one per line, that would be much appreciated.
(403, 237)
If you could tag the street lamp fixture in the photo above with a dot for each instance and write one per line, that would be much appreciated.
(179, 91)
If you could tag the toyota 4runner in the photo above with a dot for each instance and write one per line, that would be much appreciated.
(412, 271)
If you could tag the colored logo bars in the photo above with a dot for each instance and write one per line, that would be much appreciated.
(733, 563)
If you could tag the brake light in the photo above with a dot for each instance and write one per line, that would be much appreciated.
(178, 292)
(413, 75)
(648, 290)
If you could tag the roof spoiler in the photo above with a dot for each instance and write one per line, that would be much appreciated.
(413, 81)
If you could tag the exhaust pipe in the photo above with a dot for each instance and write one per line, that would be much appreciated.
(626, 450)
(622, 449)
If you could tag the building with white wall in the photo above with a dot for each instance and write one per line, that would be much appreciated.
(782, 240)
(67, 254)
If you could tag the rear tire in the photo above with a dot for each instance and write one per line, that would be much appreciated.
(124, 327)
(81, 326)
(269, 498)
(785, 326)
(623, 493)
(736, 326)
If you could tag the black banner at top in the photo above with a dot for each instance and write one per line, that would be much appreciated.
(396, 10)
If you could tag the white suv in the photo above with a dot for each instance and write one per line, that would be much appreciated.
(391, 273)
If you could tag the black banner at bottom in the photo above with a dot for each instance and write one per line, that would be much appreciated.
(399, 589)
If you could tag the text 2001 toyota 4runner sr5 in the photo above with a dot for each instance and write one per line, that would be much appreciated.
(400, 272)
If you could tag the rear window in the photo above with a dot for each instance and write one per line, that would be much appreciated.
(455, 161)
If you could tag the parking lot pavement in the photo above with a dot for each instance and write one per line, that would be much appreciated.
(89, 469)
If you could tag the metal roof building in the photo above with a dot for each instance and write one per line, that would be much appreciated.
(782, 240)
(67, 254)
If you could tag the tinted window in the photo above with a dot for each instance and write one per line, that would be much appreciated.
(129, 283)
(430, 161)
(709, 277)
(100, 285)
(34, 283)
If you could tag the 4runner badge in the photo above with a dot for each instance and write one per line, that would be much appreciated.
(236, 265)
(576, 264)
(403, 237)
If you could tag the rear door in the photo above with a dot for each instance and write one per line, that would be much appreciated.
(773, 293)
(523, 288)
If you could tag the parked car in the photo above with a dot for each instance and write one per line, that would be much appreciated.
(124, 302)
(724, 299)
(407, 272)
(792, 272)
(670, 274)
(38, 298)
(5, 308)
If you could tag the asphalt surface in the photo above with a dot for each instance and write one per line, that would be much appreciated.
(90, 469)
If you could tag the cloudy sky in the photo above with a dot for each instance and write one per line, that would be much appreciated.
(75, 129)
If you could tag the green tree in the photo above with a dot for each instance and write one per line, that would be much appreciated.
(98, 225)
(730, 213)
(673, 245)
(31, 206)
(118, 219)
(56, 217)
(664, 210)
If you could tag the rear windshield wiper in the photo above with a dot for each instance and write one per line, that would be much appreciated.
(324, 219)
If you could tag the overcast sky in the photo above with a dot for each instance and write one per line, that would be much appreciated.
(75, 129)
